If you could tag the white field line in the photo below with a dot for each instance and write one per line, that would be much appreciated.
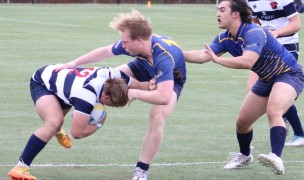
(126, 165)
(39, 22)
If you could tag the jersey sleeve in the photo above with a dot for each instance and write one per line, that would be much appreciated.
(289, 8)
(217, 46)
(255, 40)
(82, 106)
(117, 49)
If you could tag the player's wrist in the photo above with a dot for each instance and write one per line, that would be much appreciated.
(98, 126)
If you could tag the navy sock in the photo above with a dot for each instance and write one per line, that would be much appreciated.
(244, 142)
(293, 118)
(143, 166)
(32, 148)
(277, 139)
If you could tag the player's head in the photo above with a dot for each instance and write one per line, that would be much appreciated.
(242, 7)
(117, 91)
(134, 22)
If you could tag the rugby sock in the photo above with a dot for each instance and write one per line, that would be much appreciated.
(32, 148)
(277, 139)
(292, 116)
(142, 166)
(244, 142)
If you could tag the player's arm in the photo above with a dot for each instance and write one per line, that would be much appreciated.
(160, 96)
(196, 56)
(80, 125)
(292, 27)
(132, 82)
(246, 61)
(91, 57)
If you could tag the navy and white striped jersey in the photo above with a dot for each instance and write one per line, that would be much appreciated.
(274, 14)
(79, 87)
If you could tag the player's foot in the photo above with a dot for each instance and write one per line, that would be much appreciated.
(295, 141)
(63, 139)
(272, 161)
(140, 174)
(239, 160)
(20, 173)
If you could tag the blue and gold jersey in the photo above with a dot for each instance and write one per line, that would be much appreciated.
(274, 58)
(167, 57)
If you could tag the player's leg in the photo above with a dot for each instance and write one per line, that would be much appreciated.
(253, 107)
(50, 111)
(252, 79)
(293, 118)
(154, 136)
(126, 69)
(62, 137)
(281, 98)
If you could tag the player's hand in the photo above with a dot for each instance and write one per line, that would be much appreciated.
(211, 54)
(131, 95)
(274, 33)
(65, 66)
(152, 84)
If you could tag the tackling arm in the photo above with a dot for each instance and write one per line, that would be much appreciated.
(91, 57)
(196, 56)
(160, 96)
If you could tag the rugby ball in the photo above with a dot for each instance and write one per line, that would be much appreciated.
(98, 115)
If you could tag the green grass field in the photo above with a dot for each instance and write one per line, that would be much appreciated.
(198, 135)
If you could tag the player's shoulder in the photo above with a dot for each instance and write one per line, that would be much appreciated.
(253, 28)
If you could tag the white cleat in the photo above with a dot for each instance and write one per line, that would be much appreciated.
(272, 161)
(239, 160)
(295, 141)
(140, 174)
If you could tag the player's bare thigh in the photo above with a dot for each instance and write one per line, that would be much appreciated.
(49, 110)
(125, 68)
(282, 96)
(253, 108)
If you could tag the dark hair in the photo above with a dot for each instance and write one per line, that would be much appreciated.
(242, 7)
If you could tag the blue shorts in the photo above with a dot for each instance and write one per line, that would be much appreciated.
(38, 90)
(144, 72)
(295, 78)
(293, 49)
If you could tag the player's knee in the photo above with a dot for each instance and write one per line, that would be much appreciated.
(54, 124)
(274, 113)
(242, 125)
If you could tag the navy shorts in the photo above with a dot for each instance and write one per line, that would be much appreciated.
(293, 49)
(294, 78)
(38, 90)
(144, 72)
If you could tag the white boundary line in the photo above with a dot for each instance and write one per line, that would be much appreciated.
(127, 165)
(39, 22)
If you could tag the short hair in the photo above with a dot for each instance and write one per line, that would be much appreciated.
(117, 89)
(242, 7)
(138, 25)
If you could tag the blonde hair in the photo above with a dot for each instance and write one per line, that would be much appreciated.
(117, 89)
(138, 25)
